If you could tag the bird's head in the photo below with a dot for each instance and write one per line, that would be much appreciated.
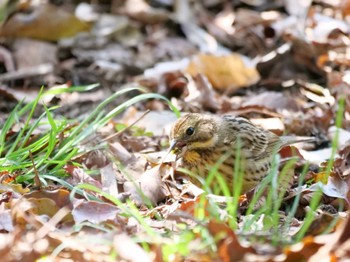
(194, 131)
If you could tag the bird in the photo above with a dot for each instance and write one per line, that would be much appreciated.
(201, 141)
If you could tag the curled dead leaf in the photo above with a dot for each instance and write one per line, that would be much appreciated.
(201, 91)
(290, 151)
(229, 247)
(335, 187)
(43, 207)
(149, 188)
(302, 250)
(59, 196)
(80, 176)
(191, 205)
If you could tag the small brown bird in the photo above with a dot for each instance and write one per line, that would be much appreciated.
(203, 140)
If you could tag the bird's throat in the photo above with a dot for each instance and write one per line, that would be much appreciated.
(191, 157)
(193, 152)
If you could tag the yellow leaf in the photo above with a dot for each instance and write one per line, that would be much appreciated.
(321, 177)
(225, 73)
(45, 22)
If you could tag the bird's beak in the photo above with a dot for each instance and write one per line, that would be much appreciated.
(178, 147)
(172, 144)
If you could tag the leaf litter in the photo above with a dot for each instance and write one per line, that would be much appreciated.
(282, 65)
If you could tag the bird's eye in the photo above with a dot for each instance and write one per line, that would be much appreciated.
(190, 131)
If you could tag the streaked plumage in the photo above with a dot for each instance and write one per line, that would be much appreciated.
(201, 140)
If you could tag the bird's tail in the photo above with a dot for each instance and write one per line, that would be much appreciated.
(288, 140)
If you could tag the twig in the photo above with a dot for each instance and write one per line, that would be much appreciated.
(42, 69)
(126, 128)
(36, 174)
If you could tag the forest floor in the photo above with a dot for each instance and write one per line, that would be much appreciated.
(89, 92)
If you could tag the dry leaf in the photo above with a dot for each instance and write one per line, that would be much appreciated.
(274, 124)
(5, 219)
(229, 248)
(320, 224)
(109, 181)
(226, 73)
(94, 212)
(342, 163)
(302, 250)
(128, 250)
(201, 91)
(43, 206)
(276, 101)
(148, 189)
(79, 176)
(45, 22)
(334, 245)
(190, 206)
(290, 151)
(141, 11)
(335, 187)
(29, 53)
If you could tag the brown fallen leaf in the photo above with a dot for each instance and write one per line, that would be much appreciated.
(320, 224)
(172, 84)
(342, 163)
(302, 251)
(290, 151)
(335, 187)
(109, 181)
(294, 59)
(28, 207)
(95, 159)
(149, 188)
(59, 196)
(141, 11)
(201, 91)
(46, 207)
(276, 101)
(94, 212)
(29, 53)
(336, 245)
(246, 110)
(17, 189)
(80, 176)
(190, 206)
(229, 248)
(133, 165)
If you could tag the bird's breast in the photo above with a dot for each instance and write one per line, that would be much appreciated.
(200, 159)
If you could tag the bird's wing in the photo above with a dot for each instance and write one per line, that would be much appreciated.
(253, 140)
